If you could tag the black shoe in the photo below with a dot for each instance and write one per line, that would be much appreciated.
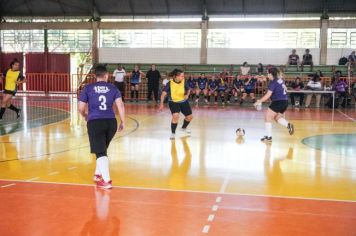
(242, 101)
(266, 139)
(290, 128)
(18, 114)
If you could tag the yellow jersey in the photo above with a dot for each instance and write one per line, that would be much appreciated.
(10, 78)
(177, 91)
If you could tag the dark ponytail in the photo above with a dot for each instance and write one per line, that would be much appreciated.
(14, 61)
(175, 73)
(274, 71)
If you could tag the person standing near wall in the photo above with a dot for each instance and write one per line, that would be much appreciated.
(119, 75)
(135, 81)
(153, 76)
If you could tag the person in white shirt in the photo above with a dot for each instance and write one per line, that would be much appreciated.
(315, 85)
(245, 69)
(119, 75)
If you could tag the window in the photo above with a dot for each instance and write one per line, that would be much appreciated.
(22, 40)
(150, 38)
(263, 38)
(342, 38)
(69, 40)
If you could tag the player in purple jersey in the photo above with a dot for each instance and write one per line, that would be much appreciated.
(98, 98)
(277, 92)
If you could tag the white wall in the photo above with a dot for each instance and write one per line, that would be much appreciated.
(150, 55)
(334, 54)
(255, 55)
(215, 55)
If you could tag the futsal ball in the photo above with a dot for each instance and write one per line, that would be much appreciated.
(258, 106)
(240, 132)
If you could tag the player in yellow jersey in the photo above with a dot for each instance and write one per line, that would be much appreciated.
(178, 92)
(12, 77)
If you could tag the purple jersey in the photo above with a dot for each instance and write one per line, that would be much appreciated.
(100, 97)
(278, 89)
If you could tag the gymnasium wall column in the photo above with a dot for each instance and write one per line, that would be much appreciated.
(324, 26)
(203, 43)
(95, 43)
(46, 51)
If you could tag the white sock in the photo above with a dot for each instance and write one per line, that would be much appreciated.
(268, 129)
(283, 122)
(97, 169)
(104, 167)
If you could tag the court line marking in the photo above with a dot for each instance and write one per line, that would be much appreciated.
(186, 191)
(211, 217)
(347, 116)
(218, 200)
(78, 148)
(72, 168)
(32, 179)
(206, 229)
(8, 185)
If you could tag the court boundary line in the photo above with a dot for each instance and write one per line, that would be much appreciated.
(78, 148)
(186, 191)
(347, 116)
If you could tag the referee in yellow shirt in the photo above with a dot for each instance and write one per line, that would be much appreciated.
(12, 77)
(178, 92)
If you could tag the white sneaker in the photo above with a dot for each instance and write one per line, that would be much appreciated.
(187, 131)
(172, 137)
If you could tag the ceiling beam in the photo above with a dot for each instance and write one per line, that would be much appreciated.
(28, 7)
(168, 7)
(132, 9)
(61, 6)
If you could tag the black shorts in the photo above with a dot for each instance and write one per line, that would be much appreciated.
(120, 86)
(307, 63)
(183, 107)
(134, 84)
(13, 93)
(101, 132)
(279, 106)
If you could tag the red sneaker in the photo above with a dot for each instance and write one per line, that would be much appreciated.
(104, 185)
(97, 178)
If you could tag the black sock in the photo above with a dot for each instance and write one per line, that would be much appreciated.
(216, 98)
(15, 109)
(2, 111)
(185, 124)
(205, 97)
(136, 94)
(132, 94)
(173, 128)
(228, 97)
(223, 99)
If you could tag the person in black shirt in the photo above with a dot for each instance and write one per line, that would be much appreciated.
(293, 59)
(153, 76)
(297, 85)
(307, 60)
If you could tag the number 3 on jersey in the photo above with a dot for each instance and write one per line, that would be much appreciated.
(102, 100)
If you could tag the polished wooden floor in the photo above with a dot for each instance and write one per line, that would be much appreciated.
(211, 183)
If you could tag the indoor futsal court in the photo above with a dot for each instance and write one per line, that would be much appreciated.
(216, 176)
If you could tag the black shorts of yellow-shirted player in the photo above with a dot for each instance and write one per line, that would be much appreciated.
(277, 92)
(12, 77)
(178, 93)
(99, 98)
